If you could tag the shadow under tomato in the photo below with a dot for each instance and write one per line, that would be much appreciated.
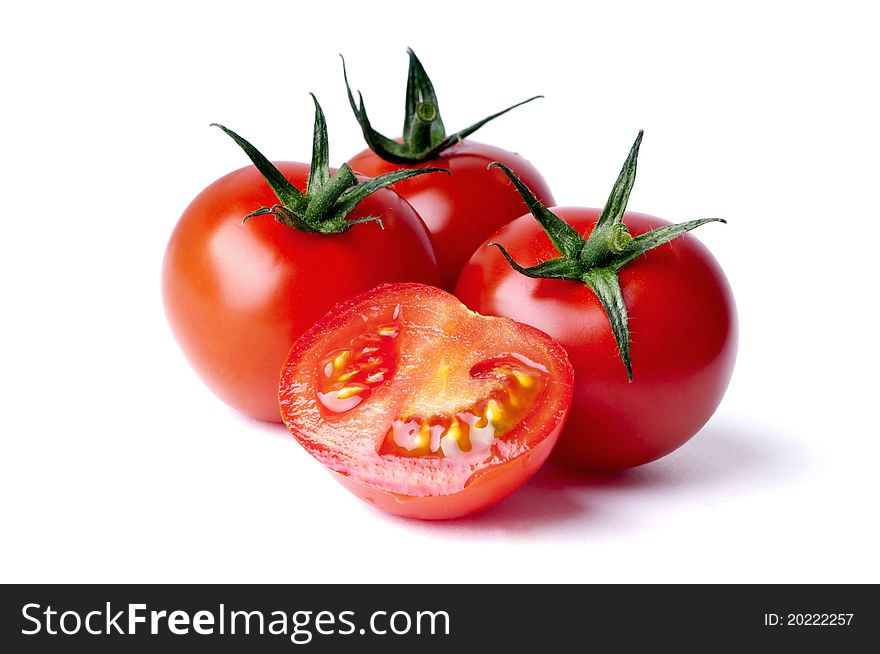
(271, 429)
(720, 457)
(713, 466)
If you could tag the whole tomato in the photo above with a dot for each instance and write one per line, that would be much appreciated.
(461, 210)
(238, 294)
(649, 322)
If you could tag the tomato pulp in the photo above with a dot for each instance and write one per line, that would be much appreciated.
(682, 321)
(237, 295)
(421, 407)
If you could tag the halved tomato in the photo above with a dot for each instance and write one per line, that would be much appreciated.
(421, 406)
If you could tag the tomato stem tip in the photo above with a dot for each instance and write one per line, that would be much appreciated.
(329, 197)
(424, 136)
(597, 259)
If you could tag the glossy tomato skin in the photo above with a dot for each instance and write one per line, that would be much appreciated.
(474, 498)
(462, 209)
(426, 488)
(237, 295)
(683, 329)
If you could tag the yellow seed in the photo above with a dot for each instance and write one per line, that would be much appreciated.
(513, 399)
(348, 375)
(371, 363)
(424, 435)
(347, 392)
(387, 330)
(526, 381)
(341, 359)
(494, 411)
(376, 377)
(454, 431)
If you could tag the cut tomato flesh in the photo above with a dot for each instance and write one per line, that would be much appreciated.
(407, 394)
(509, 389)
(348, 375)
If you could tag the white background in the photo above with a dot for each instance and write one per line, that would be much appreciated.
(118, 465)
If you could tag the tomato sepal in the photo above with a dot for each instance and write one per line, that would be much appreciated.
(329, 197)
(424, 136)
(597, 259)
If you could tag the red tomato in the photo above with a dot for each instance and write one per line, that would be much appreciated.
(462, 209)
(682, 321)
(238, 295)
(421, 407)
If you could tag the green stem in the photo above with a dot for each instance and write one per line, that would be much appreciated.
(596, 260)
(420, 127)
(321, 203)
(604, 244)
(328, 199)
(424, 136)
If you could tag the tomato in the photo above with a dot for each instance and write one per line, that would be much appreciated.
(682, 319)
(421, 407)
(460, 210)
(237, 295)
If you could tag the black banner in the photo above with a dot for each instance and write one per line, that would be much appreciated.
(407, 618)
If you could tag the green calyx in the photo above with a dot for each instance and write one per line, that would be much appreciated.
(328, 199)
(424, 136)
(597, 259)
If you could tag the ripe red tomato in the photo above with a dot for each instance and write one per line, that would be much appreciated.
(421, 407)
(681, 317)
(460, 210)
(237, 295)
(683, 324)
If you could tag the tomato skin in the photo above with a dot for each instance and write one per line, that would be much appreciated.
(423, 487)
(237, 295)
(462, 209)
(473, 499)
(683, 328)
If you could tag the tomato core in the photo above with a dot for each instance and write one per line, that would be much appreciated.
(511, 387)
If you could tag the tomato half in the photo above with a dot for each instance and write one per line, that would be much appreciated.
(462, 209)
(237, 295)
(683, 328)
(421, 407)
